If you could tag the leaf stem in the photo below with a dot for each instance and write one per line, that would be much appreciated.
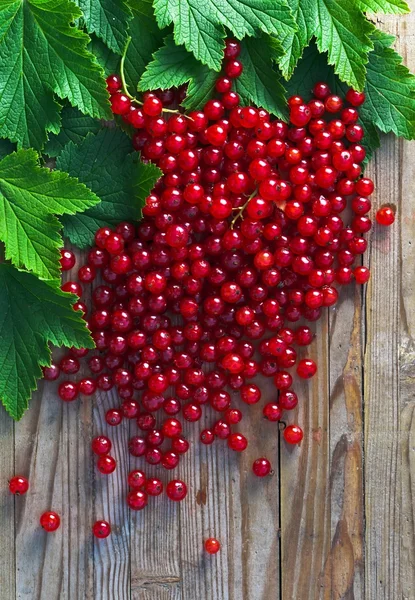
(242, 208)
(125, 87)
(122, 74)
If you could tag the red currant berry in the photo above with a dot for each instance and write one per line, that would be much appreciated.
(272, 411)
(385, 216)
(51, 373)
(153, 487)
(176, 490)
(136, 479)
(261, 467)
(114, 83)
(306, 368)
(355, 98)
(212, 546)
(18, 485)
(106, 464)
(237, 442)
(67, 260)
(68, 391)
(293, 434)
(50, 521)
(120, 103)
(137, 500)
(361, 275)
(101, 445)
(101, 529)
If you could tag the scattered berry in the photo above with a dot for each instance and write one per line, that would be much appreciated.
(261, 467)
(106, 464)
(50, 521)
(293, 434)
(212, 546)
(385, 216)
(18, 485)
(101, 529)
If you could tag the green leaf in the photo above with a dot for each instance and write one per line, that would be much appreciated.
(146, 38)
(393, 7)
(6, 147)
(30, 197)
(259, 83)
(340, 29)
(390, 91)
(343, 32)
(371, 140)
(104, 162)
(172, 66)
(295, 42)
(108, 60)
(311, 68)
(41, 52)
(75, 127)
(201, 26)
(109, 20)
(33, 313)
(146, 176)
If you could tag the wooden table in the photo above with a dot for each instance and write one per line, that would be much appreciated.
(336, 521)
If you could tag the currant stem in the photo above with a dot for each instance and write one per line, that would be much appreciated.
(125, 87)
(242, 208)
(122, 75)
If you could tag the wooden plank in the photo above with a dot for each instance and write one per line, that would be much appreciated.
(157, 591)
(344, 571)
(51, 443)
(7, 507)
(407, 368)
(228, 502)
(389, 401)
(382, 406)
(305, 502)
(112, 556)
(155, 541)
(406, 32)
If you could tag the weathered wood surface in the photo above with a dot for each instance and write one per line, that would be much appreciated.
(337, 520)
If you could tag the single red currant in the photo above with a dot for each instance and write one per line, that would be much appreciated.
(101, 529)
(50, 521)
(18, 485)
(212, 546)
(293, 434)
(106, 464)
(261, 467)
(385, 216)
(176, 490)
(101, 445)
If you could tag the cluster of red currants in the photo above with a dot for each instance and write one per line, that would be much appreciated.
(240, 239)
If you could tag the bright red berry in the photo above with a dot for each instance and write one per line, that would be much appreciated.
(212, 546)
(261, 467)
(176, 490)
(18, 485)
(101, 529)
(293, 434)
(50, 521)
(385, 216)
(106, 464)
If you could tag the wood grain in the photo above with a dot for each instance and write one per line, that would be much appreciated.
(112, 556)
(228, 503)
(7, 507)
(305, 501)
(335, 522)
(344, 571)
(51, 444)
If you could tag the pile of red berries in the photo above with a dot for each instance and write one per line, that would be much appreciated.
(241, 238)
